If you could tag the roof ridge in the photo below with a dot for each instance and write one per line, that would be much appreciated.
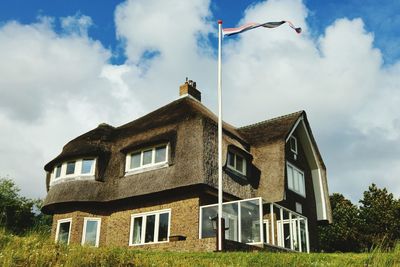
(269, 120)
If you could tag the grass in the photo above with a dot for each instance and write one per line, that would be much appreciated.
(36, 249)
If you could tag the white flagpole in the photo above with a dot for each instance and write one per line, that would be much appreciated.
(220, 226)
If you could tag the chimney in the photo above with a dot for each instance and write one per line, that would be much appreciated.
(189, 89)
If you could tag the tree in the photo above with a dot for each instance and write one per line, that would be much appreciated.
(16, 212)
(343, 234)
(380, 218)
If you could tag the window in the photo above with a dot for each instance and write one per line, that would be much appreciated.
(149, 157)
(76, 169)
(70, 168)
(237, 163)
(58, 171)
(63, 231)
(299, 208)
(150, 227)
(293, 144)
(296, 181)
(91, 232)
(87, 165)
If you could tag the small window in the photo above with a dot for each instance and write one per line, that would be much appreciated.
(152, 227)
(147, 157)
(87, 166)
(296, 181)
(293, 144)
(237, 163)
(70, 168)
(58, 171)
(63, 231)
(91, 232)
(135, 160)
(299, 208)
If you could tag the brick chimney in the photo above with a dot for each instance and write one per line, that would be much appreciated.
(189, 89)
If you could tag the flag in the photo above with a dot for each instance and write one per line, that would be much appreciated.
(250, 26)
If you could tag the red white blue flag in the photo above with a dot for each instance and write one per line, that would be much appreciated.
(250, 26)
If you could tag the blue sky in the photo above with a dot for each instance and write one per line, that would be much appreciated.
(67, 66)
(380, 17)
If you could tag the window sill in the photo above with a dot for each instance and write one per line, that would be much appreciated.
(147, 168)
(150, 243)
(72, 178)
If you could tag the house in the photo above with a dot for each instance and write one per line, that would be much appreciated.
(152, 183)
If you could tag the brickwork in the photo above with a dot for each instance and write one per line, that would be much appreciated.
(115, 225)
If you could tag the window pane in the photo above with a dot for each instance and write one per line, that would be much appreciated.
(150, 223)
(63, 232)
(296, 180)
(161, 154)
(250, 221)
(208, 214)
(290, 177)
(231, 159)
(58, 171)
(147, 156)
(301, 184)
(163, 227)
(230, 214)
(70, 167)
(137, 230)
(91, 232)
(239, 163)
(135, 160)
(293, 144)
(87, 165)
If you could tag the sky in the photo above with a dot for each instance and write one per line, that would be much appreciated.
(67, 66)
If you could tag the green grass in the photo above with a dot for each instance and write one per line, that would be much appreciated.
(37, 249)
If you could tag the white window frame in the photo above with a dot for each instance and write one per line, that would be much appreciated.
(233, 167)
(294, 168)
(295, 142)
(77, 175)
(98, 220)
(58, 228)
(144, 215)
(153, 165)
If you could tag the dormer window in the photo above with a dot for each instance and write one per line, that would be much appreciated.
(70, 168)
(150, 157)
(75, 169)
(237, 163)
(58, 171)
(87, 166)
(293, 144)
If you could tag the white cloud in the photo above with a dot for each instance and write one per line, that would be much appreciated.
(339, 79)
(55, 86)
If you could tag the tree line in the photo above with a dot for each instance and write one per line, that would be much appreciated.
(375, 222)
(20, 214)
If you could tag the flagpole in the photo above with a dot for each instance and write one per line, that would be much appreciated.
(220, 226)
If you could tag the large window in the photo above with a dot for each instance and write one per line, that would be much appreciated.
(79, 168)
(242, 220)
(150, 227)
(91, 231)
(296, 181)
(237, 163)
(150, 157)
(63, 231)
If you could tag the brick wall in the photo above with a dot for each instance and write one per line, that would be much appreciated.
(115, 223)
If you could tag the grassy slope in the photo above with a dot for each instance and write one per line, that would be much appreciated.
(38, 250)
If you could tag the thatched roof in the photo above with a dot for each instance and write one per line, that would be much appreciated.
(270, 130)
(190, 129)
